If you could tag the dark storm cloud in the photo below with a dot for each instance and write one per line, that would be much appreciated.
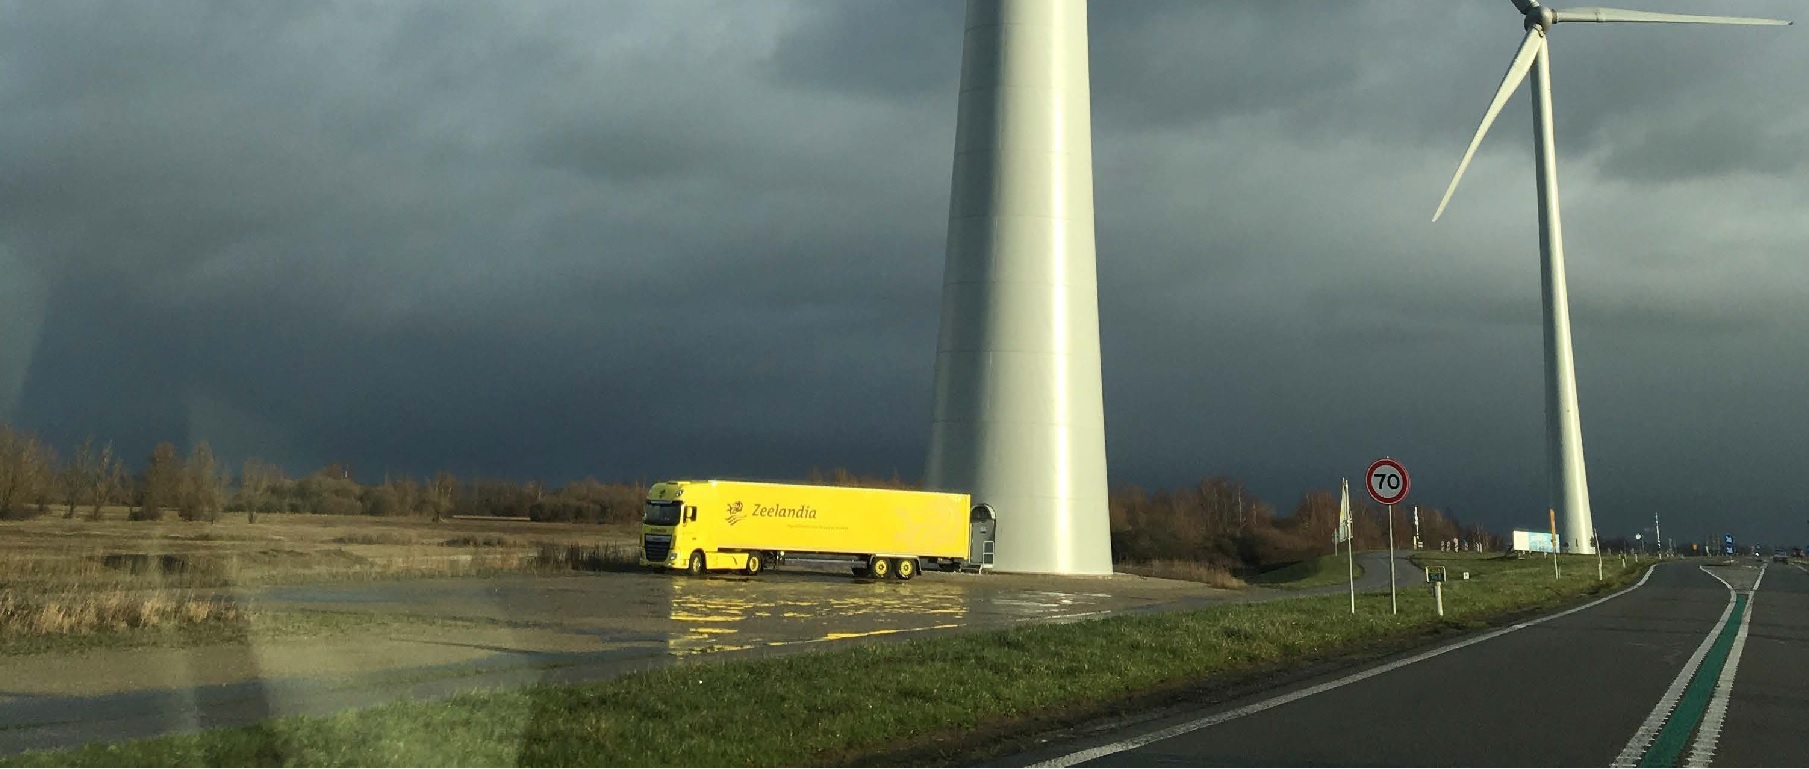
(638, 239)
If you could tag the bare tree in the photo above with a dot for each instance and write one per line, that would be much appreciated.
(107, 480)
(162, 483)
(43, 476)
(202, 494)
(74, 478)
(23, 475)
(254, 483)
(440, 501)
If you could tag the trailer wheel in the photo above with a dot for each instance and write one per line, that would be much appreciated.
(880, 568)
(697, 566)
(907, 568)
(755, 564)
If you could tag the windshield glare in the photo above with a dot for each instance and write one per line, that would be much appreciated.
(661, 514)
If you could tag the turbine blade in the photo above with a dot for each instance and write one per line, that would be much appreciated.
(1516, 73)
(1603, 15)
(1525, 5)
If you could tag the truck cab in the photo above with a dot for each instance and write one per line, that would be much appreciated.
(661, 517)
(673, 538)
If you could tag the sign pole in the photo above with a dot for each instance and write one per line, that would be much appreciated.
(1388, 483)
(1555, 547)
(1392, 598)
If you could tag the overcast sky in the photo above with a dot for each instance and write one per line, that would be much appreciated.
(653, 239)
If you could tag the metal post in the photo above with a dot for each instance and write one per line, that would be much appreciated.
(1350, 546)
(1392, 598)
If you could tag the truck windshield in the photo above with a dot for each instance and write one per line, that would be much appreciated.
(662, 514)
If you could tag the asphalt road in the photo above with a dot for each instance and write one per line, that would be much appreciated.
(1768, 717)
(550, 630)
(1572, 690)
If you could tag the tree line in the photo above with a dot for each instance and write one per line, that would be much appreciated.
(36, 480)
(1221, 522)
(1216, 520)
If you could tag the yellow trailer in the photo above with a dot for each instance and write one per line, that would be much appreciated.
(700, 526)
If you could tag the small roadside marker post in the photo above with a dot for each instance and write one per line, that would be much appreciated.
(1595, 538)
(1388, 482)
(1436, 575)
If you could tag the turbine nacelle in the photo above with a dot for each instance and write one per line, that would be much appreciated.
(1539, 16)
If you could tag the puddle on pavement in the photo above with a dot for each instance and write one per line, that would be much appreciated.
(729, 615)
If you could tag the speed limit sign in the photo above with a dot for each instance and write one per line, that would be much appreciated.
(1387, 481)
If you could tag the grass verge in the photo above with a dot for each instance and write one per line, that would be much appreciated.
(917, 702)
(1191, 571)
(1313, 572)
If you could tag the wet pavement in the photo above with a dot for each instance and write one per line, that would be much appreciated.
(519, 630)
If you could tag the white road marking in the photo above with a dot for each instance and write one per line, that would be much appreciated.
(1661, 712)
(1177, 730)
(1655, 721)
(1710, 732)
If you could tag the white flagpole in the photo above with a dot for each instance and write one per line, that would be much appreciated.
(1350, 541)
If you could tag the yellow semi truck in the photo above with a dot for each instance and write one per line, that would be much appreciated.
(703, 526)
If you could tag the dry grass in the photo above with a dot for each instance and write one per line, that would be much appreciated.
(579, 557)
(113, 610)
(69, 578)
(481, 540)
(373, 538)
(1191, 571)
(52, 555)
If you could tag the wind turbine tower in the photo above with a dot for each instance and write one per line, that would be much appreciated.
(1019, 420)
(1563, 429)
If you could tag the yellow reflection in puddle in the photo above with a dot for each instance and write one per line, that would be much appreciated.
(779, 611)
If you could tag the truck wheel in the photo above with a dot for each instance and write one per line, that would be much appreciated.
(880, 568)
(756, 563)
(697, 566)
(907, 568)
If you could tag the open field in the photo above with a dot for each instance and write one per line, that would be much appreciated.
(952, 697)
(114, 581)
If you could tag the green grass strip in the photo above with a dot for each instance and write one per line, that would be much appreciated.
(915, 701)
(1313, 572)
(1667, 748)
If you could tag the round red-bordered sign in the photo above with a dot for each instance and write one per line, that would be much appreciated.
(1387, 481)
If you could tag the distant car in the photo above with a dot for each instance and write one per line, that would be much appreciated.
(1779, 556)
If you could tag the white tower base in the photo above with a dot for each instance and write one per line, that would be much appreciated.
(1019, 421)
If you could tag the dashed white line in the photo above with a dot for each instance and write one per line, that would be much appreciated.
(1177, 730)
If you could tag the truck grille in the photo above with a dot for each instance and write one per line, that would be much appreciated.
(655, 547)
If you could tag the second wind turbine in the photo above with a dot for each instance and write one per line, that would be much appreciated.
(1563, 429)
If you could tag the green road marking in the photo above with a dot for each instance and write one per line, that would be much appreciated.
(1667, 747)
